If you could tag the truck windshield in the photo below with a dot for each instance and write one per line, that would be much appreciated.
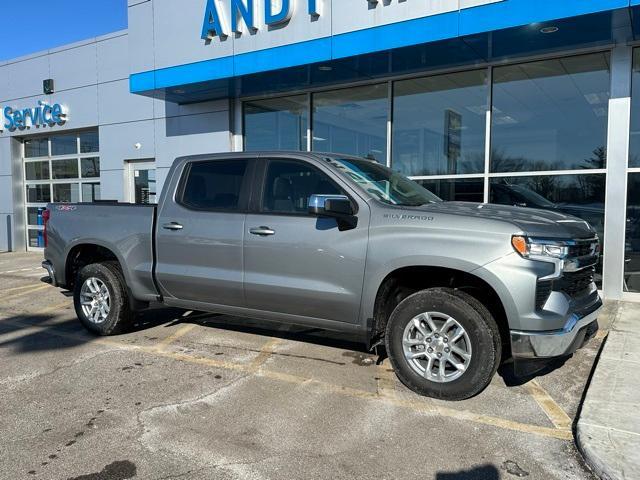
(382, 182)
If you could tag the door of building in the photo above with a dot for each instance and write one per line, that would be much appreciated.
(141, 186)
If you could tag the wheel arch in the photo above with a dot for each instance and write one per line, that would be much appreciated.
(402, 282)
(85, 253)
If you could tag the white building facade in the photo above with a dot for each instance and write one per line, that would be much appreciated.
(520, 102)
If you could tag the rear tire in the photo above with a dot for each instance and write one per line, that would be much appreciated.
(443, 343)
(101, 300)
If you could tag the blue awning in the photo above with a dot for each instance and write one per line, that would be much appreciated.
(497, 32)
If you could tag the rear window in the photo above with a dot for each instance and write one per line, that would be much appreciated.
(215, 185)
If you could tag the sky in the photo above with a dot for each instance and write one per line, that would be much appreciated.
(34, 25)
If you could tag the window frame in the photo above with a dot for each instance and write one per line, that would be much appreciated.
(245, 188)
(257, 199)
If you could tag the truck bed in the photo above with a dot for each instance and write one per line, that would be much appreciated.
(124, 229)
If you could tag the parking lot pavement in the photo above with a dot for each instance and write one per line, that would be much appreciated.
(194, 396)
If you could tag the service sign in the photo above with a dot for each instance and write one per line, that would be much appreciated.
(40, 116)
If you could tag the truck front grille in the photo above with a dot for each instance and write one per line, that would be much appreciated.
(543, 290)
(584, 248)
(576, 284)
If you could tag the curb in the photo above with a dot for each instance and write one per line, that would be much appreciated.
(589, 452)
(607, 431)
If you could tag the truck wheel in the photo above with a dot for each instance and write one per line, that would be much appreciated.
(442, 343)
(100, 299)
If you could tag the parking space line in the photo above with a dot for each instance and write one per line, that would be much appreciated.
(265, 352)
(417, 405)
(551, 409)
(181, 332)
(385, 379)
(31, 269)
(27, 292)
(15, 289)
(601, 334)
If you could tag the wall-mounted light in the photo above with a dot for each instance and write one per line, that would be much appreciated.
(47, 86)
(551, 29)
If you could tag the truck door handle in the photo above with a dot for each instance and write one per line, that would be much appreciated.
(172, 226)
(262, 231)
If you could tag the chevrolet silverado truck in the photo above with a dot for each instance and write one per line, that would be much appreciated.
(450, 289)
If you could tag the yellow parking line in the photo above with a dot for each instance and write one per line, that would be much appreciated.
(265, 352)
(385, 379)
(14, 289)
(22, 294)
(418, 405)
(554, 411)
(181, 332)
(601, 334)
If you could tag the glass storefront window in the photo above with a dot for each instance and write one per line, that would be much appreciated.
(36, 147)
(37, 170)
(66, 192)
(55, 171)
(632, 243)
(579, 195)
(36, 238)
(634, 144)
(38, 193)
(64, 145)
(34, 216)
(352, 121)
(90, 192)
(551, 114)
(276, 124)
(145, 185)
(89, 142)
(90, 167)
(456, 190)
(439, 124)
(67, 168)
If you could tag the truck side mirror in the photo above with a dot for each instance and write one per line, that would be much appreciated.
(330, 205)
(334, 206)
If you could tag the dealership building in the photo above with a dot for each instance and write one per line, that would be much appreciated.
(521, 102)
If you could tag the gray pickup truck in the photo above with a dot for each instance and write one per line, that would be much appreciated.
(451, 289)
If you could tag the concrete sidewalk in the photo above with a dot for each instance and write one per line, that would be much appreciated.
(608, 431)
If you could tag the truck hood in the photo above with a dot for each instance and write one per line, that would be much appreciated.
(533, 222)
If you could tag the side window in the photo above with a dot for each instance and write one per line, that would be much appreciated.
(289, 184)
(214, 185)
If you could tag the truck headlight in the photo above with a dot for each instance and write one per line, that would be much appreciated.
(529, 248)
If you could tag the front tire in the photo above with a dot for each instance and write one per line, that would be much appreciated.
(101, 300)
(444, 344)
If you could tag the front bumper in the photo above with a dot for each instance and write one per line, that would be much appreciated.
(580, 327)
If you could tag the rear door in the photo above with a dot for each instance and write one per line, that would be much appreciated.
(200, 232)
(296, 263)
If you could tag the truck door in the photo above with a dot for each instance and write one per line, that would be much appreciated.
(200, 233)
(296, 263)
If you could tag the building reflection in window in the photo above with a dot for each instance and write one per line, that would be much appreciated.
(276, 124)
(439, 124)
(352, 121)
(551, 114)
(458, 190)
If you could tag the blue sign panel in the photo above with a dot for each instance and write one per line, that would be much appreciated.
(42, 115)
